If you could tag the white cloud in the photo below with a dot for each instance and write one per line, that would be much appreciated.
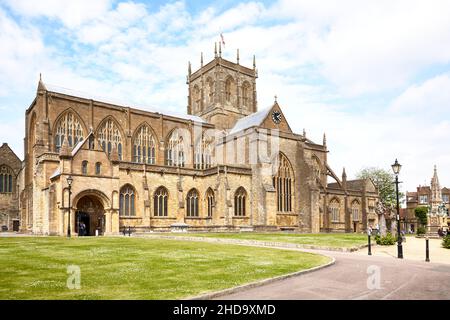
(71, 13)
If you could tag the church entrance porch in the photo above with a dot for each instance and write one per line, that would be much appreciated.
(89, 217)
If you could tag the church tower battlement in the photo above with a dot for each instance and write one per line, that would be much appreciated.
(221, 91)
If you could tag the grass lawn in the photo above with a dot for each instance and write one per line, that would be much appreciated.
(338, 240)
(135, 268)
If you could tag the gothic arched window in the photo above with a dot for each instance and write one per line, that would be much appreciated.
(84, 169)
(192, 203)
(109, 136)
(203, 157)
(6, 180)
(355, 210)
(160, 199)
(98, 168)
(228, 88)
(68, 127)
(127, 201)
(210, 201)
(144, 150)
(246, 97)
(175, 150)
(240, 202)
(282, 182)
(334, 210)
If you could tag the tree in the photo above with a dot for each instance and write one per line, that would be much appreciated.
(384, 181)
(421, 215)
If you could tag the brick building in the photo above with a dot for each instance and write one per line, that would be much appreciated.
(425, 196)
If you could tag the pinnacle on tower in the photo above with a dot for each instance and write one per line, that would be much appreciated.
(254, 62)
(215, 49)
(237, 56)
(189, 68)
(220, 49)
(201, 59)
(324, 140)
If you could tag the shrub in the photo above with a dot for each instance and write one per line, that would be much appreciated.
(421, 230)
(387, 240)
(446, 242)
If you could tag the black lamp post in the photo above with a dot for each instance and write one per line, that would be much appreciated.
(69, 183)
(396, 168)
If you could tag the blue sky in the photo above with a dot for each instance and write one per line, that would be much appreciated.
(373, 75)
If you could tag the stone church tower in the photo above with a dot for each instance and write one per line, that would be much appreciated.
(222, 92)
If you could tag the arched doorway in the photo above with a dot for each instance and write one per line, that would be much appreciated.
(91, 213)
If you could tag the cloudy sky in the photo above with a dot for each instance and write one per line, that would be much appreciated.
(373, 75)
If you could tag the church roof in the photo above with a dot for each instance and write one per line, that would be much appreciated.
(357, 184)
(252, 120)
(88, 96)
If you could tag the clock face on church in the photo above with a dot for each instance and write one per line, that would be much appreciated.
(276, 116)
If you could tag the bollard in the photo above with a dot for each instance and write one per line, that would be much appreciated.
(427, 250)
(370, 249)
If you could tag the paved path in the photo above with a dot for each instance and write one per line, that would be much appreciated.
(414, 249)
(350, 276)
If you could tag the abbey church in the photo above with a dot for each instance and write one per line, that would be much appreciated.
(226, 165)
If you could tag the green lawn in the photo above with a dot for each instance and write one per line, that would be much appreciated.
(336, 240)
(135, 268)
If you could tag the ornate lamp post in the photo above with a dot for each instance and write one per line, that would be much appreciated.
(69, 183)
(396, 168)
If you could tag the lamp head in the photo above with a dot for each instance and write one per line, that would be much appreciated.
(69, 180)
(396, 167)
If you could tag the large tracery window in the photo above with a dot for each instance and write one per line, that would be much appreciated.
(144, 150)
(203, 157)
(175, 155)
(282, 182)
(240, 202)
(6, 180)
(334, 210)
(68, 127)
(160, 199)
(127, 201)
(355, 210)
(192, 203)
(109, 136)
(210, 202)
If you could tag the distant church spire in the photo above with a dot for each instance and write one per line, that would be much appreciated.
(436, 192)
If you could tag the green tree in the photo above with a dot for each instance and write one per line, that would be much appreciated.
(384, 180)
(421, 215)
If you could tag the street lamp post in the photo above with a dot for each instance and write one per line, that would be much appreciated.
(396, 168)
(69, 183)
